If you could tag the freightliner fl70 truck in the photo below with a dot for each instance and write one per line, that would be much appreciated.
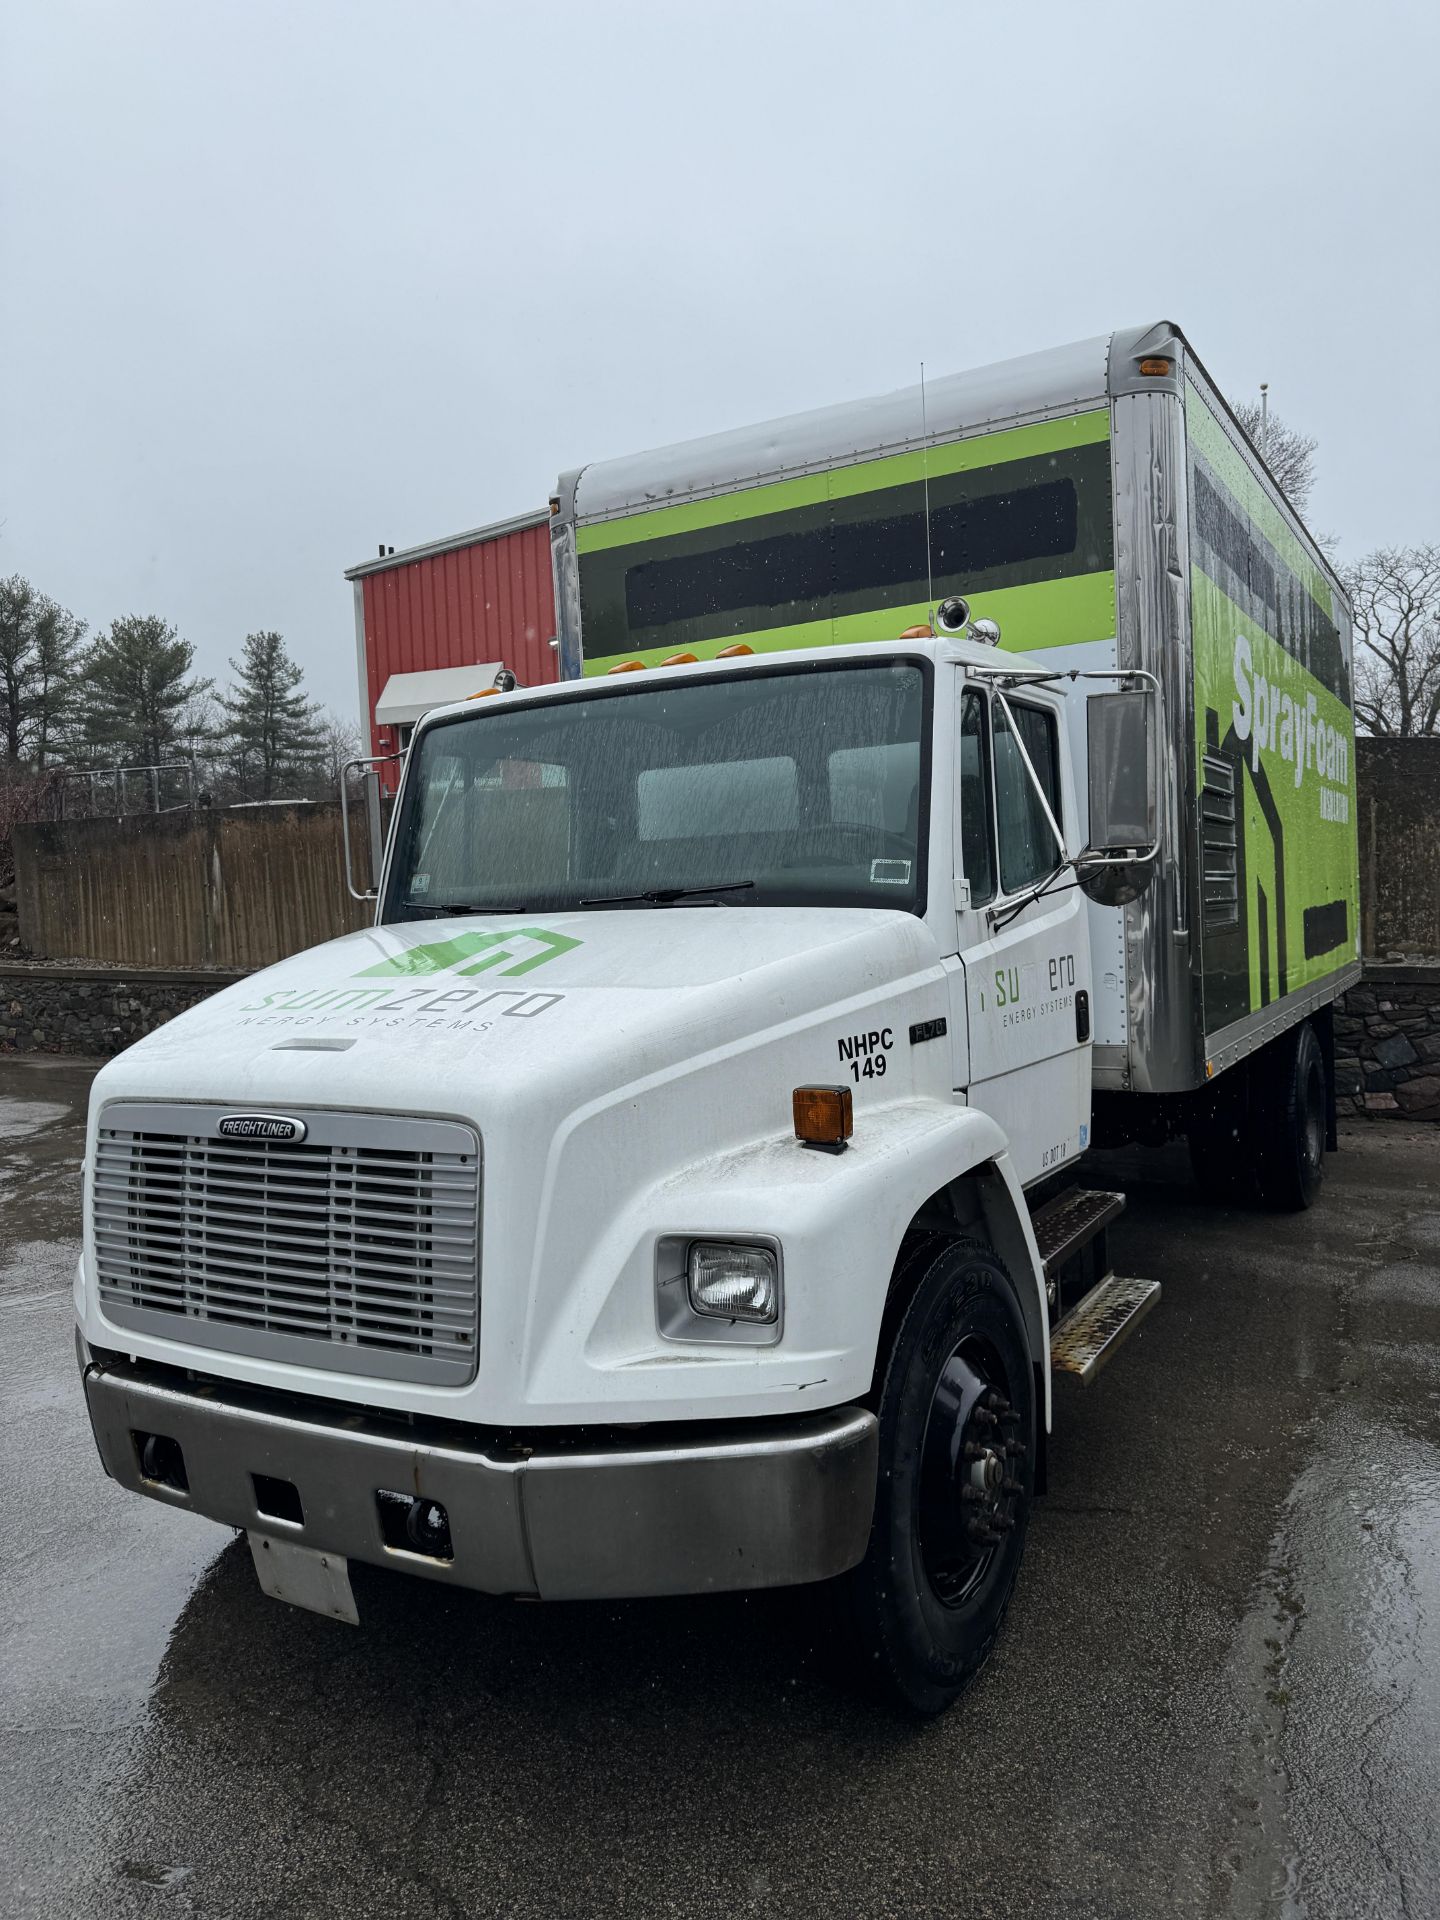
(673, 1189)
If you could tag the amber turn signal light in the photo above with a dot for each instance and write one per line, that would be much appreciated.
(1157, 368)
(824, 1117)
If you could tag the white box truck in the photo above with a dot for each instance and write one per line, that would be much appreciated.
(672, 1191)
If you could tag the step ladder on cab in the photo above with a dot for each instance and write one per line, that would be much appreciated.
(1093, 1310)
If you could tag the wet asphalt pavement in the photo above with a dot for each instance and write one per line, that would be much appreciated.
(1218, 1692)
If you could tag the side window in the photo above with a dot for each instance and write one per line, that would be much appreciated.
(1028, 853)
(977, 817)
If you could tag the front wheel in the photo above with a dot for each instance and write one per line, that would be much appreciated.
(956, 1479)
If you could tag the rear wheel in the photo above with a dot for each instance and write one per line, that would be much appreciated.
(957, 1467)
(1290, 1148)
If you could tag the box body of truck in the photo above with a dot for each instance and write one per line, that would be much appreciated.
(1100, 503)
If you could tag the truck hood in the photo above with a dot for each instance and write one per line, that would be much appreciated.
(460, 1015)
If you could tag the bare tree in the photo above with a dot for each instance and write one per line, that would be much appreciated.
(1289, 454)
(340, 737)
(1395, 592)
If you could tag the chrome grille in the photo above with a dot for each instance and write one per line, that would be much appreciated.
(355, 1250)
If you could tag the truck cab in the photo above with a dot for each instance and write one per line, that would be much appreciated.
(653, 1199)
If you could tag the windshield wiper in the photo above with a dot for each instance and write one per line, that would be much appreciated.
(450, 910)
(664, 896)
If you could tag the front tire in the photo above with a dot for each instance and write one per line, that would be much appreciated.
(956, 1405)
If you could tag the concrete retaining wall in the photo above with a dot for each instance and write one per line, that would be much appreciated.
(237, 888)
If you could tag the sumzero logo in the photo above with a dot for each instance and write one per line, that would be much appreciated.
(507, 951)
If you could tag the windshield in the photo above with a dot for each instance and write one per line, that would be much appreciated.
(802, 786)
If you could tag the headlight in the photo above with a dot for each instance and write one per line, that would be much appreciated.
(720, 1292)
(728, 1282)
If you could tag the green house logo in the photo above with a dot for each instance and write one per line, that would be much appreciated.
(514, 952)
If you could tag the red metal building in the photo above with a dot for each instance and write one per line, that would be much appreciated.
(435, 623)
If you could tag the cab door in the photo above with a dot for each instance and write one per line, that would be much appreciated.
(1023, 980)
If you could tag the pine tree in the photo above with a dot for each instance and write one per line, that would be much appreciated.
(275, 735)
(58, 640)
(39, 648)
(17, 623)
(138, 693)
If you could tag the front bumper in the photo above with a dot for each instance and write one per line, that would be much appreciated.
(762, 1503)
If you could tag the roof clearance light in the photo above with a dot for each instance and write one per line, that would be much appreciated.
(923, 632)
(734, 653)
(1156, 368)
(824, 1117)
(483, 694)
(627, 666)
(682, 660)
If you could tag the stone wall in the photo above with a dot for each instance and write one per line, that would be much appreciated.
(1387, 1030)
(93, 1010)
(1387, 1045)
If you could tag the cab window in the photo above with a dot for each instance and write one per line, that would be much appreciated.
(1028, 852)
(977, 812)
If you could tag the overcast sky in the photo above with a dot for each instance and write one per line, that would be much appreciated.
(281, 281)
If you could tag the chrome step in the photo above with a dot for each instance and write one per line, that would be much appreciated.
(1067, 1224)
(1089, 1334)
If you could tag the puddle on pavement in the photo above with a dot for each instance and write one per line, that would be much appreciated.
(20, 1118)
(1340, 1657)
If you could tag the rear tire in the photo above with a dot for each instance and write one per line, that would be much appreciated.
(1290, 1148)
(956, 1405)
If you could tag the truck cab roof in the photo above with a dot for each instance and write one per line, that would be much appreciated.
(939, 649)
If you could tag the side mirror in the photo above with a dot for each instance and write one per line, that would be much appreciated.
(1119, 861)
(374, 823)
